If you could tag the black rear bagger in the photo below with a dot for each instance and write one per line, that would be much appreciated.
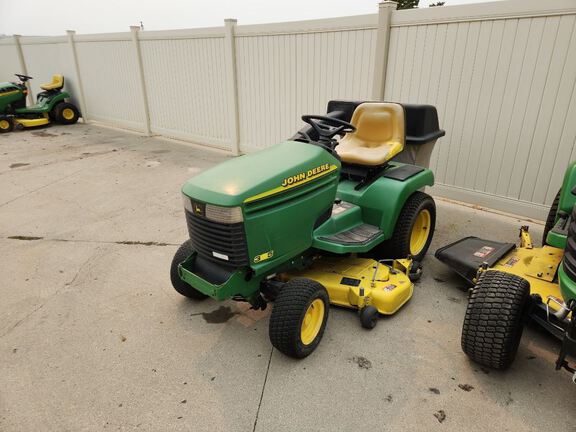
(467, 255)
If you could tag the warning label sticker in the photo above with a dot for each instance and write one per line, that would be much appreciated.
(390, 287)
(484, 252)
(511, 261)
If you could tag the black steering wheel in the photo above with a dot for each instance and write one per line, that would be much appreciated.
(328, 127)
(23, 78)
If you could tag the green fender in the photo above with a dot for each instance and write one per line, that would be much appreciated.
(566, 203)
(567, 198)
(60, 97)
(382, 201)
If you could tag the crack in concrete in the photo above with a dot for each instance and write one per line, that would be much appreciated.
(40, 188)
(263, 388)
(119, 242)
(51, 296)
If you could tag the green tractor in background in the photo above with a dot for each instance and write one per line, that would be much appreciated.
(512, 283)
(316, 220)
(51, 105)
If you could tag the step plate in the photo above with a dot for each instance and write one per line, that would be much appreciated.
(359, 235)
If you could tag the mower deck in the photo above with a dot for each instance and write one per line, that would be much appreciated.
(359, 282)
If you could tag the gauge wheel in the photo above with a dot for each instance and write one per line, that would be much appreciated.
(183, 288)
(6, 124)
(66, 113)
(494, 319)
(299, 317)
(369, 317)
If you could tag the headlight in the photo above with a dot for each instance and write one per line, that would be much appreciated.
(187, 202)
(227, 215)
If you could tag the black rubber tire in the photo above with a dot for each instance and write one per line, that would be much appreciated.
(399, 244)
(415, 272)
(183, 252)
(288, 312)
(551, 218)
(59, 109)
(369, 317)
(10, 127)
(494, 319)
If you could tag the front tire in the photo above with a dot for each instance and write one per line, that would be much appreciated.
(299, 317)
(6, 124)
(183, 252)
(494, 319)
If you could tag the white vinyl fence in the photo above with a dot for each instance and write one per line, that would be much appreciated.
(501, 74)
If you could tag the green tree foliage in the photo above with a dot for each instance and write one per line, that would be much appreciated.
(407, 4)
(440, 3)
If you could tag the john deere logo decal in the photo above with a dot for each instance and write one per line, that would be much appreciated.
(198, 208)
(295, 181)
(298, 178)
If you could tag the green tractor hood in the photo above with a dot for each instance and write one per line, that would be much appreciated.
(252, 177)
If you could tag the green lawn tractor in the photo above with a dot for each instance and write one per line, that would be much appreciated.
(513, 283)
(51, 105)
(315, 220)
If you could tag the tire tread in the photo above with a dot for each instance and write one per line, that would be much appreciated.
(494, 319)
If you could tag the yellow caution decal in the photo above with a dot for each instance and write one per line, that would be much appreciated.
(296, 180)
(264, 256)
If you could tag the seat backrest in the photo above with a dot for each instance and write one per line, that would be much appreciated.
(57, 83)
(379, 123)
(379, 136)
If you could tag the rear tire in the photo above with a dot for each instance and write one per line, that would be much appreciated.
(66, 113)
(414, 229)
(6, 124)
(183, 252)
(299, 317)
(494, 319)
(551, 219)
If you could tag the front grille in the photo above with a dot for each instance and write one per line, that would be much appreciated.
(218, 242)
(570, 251)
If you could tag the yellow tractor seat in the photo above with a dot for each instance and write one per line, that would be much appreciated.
(56, 84)
(379, 136)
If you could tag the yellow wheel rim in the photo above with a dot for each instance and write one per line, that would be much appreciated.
(68, 114)
(4, 124)
(420, 232)
(312, 322)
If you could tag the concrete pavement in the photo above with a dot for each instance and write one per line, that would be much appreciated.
(93, 337)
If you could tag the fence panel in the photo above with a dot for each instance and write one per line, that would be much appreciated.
(9, 64)
(286, 70)
(186, 85)
(46, 57)
(503, 84)
(109, 69)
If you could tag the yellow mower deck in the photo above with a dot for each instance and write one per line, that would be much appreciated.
(32, 122)
(538, 266)
(359, 282)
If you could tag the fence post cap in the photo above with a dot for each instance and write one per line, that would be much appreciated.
(230, 20)
(388, 4)
(134, 28)
(70, 32)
